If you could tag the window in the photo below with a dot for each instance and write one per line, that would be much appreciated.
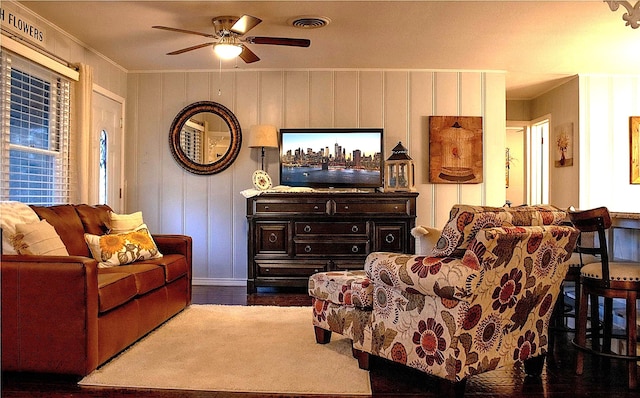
(34, 144)
(191, 140)
(103, 192)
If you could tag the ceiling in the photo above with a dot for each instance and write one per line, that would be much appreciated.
(539, 44)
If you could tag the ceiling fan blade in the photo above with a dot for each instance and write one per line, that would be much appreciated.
(184, 50)
(244, 24)
(191, 32)
(278, 41)
(248, 56)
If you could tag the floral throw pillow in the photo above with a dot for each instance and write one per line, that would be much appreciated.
(464, 223)
(39, 239)
(119, 249)
(12, 213)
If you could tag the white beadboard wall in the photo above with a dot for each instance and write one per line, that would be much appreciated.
(606, 103)
(211, 208)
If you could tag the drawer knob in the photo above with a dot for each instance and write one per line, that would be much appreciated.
(307, 228)
(355, 249)
(396, 207)
(316, 270)
(389, 238)
(307, 249)
(273, 238)
(346, 207)
(266, 207)
(354, 228)
(267, 270)
(316, 207)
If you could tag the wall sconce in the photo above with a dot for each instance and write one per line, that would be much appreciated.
(263, 136)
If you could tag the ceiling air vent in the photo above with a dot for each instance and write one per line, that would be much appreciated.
(309, 22)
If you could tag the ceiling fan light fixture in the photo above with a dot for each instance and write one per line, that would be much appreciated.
(230, 33)
(227, 51)
(227, 48)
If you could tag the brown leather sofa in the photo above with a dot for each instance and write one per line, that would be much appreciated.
(63, 314)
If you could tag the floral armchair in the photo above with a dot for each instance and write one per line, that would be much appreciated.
(482, 300)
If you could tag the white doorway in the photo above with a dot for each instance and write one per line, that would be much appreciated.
(106, 170)
(527, 162)
(516, 163)
(538, 165)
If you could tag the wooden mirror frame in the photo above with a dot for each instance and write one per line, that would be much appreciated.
(234, 130)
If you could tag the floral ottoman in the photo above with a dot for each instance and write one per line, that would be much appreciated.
(342, 303)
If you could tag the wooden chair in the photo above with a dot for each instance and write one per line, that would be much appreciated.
(563, 310)
(607, 279)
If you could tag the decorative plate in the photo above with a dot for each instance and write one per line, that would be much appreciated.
(261, 180)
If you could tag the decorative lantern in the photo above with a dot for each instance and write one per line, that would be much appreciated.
(399, 169)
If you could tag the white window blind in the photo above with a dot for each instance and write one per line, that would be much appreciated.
(34, 133)
(191, 143)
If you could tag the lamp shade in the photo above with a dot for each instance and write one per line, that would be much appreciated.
(263, 135)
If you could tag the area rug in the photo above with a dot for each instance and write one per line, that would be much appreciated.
(255, 349)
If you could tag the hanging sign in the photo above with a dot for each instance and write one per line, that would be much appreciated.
(21, 26)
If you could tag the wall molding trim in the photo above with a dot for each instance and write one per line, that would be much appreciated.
(218, 282)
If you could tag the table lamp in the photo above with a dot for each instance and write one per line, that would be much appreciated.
(263, 136)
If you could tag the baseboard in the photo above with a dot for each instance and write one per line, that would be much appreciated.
(218, 282)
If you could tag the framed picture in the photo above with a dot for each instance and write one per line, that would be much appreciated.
(634, 149)
(563, 138)
(455, 149)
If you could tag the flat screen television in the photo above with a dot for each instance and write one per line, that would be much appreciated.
(332, 157)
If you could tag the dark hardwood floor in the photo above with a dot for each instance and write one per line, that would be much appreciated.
(601, 378)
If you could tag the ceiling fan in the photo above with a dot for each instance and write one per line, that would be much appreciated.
(229, 31)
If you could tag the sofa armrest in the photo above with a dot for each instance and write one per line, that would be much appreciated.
(49, 314)
(175, 244)
(493, 252)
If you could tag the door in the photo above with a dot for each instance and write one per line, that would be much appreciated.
(107, 149)
(527, 162)
(515, 163)
(538, 168)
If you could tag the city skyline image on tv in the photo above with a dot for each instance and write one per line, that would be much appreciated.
(331, 157)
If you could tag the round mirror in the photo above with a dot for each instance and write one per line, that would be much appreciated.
(205, 138)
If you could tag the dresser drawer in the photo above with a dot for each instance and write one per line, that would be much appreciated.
(390, 238)
(393, 206)
(347, 264)
(291, 269)
(306, 207)
(331, 248)
(331, 228)
(271, 238)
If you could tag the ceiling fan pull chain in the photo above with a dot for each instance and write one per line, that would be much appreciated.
(220, 78)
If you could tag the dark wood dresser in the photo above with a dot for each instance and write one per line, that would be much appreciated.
(294, 235)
